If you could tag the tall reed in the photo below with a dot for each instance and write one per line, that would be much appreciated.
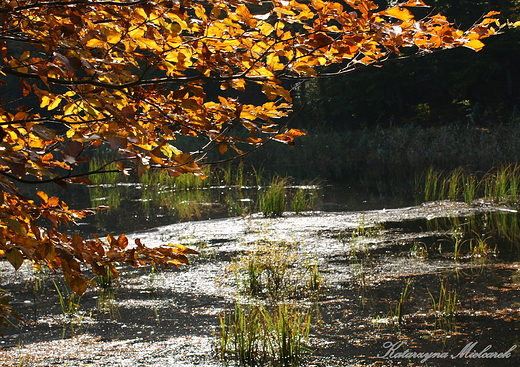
(254, 334)
(501, 185)
(272, 199)
(397, 312)
(432, 185)
(446, 303)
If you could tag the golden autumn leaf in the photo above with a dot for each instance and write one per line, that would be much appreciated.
(475, 45)
(94, 42)
(399, 13)
(113, 36)
(295, 132)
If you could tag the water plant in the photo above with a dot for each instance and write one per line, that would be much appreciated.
(315, 281)
(363, 231)
(288, 328)
(274, 271)
(479, 247)
(445, 305)
(299, 201)
(111, 173)
(469, 188)
(432, 185)
(69, 301)
(419, 250)
(357, 264)
(454, 183)
(304, 197)
(107, 293)
(397, 312)
(457, 238)
(272, 199)
(500, 184)
(254, 333)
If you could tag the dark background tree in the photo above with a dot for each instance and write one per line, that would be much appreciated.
(443, 88)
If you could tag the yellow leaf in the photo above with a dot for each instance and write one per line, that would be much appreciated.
(148, 43)
(475, 45)
(113, 36)
(263, 72)
(169, 150)
(200, 12)
(94, 42)
(55, 103)
(399, 13)
(183, 249)
(266, 29)
(139, 13)
(172, 56)
(45, 101)
(303, 68)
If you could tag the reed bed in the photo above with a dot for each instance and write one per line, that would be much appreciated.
(499, 185)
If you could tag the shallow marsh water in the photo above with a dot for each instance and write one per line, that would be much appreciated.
(169, 317)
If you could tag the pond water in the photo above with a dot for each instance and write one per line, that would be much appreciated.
(134, 207)
(391, 281)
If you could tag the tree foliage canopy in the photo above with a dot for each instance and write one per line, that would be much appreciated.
(133, 75)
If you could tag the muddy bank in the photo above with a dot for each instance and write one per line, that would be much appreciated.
(169, 317)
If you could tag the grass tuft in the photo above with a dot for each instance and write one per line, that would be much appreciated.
(254, 334)
(272, 200)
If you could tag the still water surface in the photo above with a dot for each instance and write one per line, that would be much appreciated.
(135, 207)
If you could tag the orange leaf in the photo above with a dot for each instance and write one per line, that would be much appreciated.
(284, 139)
(254, 140)
(122, 241)
(223, 148)
(295, 132)
(475, 45)
(399, 13)
(43, 196)
(184, 250)
(491, 13)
